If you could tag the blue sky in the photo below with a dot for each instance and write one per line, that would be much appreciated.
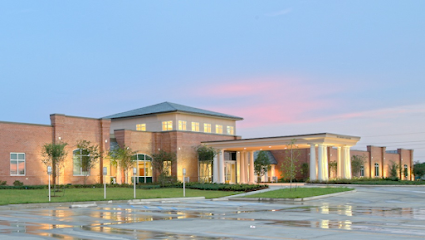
(287, 67)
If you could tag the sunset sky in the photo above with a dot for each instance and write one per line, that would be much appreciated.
(287, 67)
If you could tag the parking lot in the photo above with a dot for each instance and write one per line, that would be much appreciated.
(369, 213)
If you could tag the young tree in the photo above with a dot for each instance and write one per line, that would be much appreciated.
(418, 169)
(333, 165)
(394, 170)
(289, 166)
(53, 155)
(122, 157)
(261, 165)
(205, 156)
(161, 162)
(357, 162)
(89, 155)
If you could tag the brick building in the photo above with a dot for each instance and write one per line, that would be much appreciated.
(175, 128)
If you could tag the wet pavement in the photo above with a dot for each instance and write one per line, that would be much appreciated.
(369, 213)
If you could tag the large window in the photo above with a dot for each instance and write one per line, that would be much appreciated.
(167, 125)
(230, 130)
(80, 160)
(167, 167)
(207, 127)
(182, 125)
(406, 171)
(376, 169)
(143, 164)
(17, 164)
(141, 127)
(195, 127)
(205, 171)
(362, 171)
(219, 129)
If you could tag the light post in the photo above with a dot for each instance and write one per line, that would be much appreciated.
(134, 177)
(184, 180)
(105, 172)
(49, 172)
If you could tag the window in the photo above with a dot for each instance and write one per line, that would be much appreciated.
(141, 127)
(143, 164)
(207, 127)
(230, 130)
(182, 125)
(362, 171)
(167, 167)
(80, 160)
(406, 170)
(219, 129)
(17, 164)
(167, 125)
(195, 126)
(376, 170)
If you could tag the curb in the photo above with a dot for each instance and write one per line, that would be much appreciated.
(70, 204)
(291, 199)
(360, 185)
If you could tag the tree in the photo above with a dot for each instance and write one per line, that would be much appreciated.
(53, 155)
(122, 157)
(357, 162)
(206, 156)
(394, 168)
(418, 169)
(261, 165)
(90, 155)
(289, 168)
(333, 165)
(162, 162)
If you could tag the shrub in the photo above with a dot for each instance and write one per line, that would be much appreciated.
(18, 183)
(3, 183)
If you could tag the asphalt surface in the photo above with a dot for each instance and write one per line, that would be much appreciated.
(369, 213)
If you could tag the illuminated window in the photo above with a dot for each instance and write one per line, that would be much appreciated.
(376, 170)
(17, 164)
(219, 129)
(230, 130)
(167, 167)
(167, 125)
(207, 127)
(362, 171)
(195, 126)
(81, 162)
(406, 171)
(182, 125)
(141, 127)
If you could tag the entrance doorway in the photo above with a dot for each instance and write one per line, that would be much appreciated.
(230, 172)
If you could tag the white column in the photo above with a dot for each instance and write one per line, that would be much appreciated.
(313, 175)
(347, 163)
(246, 167)
(325, 162)
(242, 157)
(251, 168)
(221, 166)
(339, 163)
(215, 169)
(238, 167)
(320, 163)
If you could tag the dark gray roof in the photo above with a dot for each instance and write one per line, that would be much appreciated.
(168, 107)
(272, 160)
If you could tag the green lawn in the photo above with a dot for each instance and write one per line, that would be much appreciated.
(9, 196)
(299, 192)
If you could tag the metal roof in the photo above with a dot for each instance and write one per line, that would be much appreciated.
(269, 155)
(166, 107)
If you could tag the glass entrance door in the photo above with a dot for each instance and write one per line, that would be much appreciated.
(230, 172)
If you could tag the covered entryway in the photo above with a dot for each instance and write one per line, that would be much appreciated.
(318, 143)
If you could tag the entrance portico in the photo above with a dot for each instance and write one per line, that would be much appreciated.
(318, 144)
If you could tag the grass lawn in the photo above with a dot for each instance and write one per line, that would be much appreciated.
(14, 196)
(299, 192)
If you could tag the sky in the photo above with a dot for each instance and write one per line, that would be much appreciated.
(287, 67)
